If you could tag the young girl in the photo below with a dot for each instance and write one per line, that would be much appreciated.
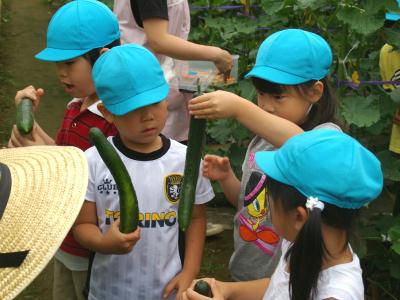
(293, 95)
(76, 34)
(163, 27)
(318, 181)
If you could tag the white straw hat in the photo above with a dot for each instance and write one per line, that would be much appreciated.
(42, 189)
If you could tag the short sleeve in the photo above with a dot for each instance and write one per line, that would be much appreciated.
(328, 125)
(91, 155)
(147, 9)
(204, 190)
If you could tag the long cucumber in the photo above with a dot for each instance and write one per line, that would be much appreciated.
(25, 116)
(129, 209)
(197, 134)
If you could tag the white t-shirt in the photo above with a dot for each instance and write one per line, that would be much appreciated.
(342, 282)
(154, 261)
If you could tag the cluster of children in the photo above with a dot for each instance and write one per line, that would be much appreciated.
(303, 181)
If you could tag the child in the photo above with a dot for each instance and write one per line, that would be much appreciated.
(318, 181)
(131, 84)
(76, 34)
(293, 95)
(163, 27)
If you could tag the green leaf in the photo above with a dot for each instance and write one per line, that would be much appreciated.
(361, 20)
(393, 36)
(394, 233)
(395, 96)
(361, 111)
(396, 247)
(271, 7)
(390, 165)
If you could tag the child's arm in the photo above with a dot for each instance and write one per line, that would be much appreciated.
(219, 168)
(162, 42)
(221, 104)
(32, 93)
(249, 290)
(194, 244)
(88, 234)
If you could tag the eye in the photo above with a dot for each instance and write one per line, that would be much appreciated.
(70, 62)
(256, 205)
(278, 97)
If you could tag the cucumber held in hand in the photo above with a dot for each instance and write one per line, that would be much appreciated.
(129, 210)
(25, 116)
(203, 288)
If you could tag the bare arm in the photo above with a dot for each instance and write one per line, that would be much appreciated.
(88, 234)
(221, 104)
(249, 290)
(162, 42)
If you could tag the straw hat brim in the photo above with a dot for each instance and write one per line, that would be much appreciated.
(47, 191)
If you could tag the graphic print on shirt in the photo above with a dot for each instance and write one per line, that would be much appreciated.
(172, 187)
(254, 215)
(154, 219)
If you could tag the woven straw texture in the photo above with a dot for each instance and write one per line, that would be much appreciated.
(52, 182)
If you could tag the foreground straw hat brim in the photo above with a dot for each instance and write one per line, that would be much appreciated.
(47, 192)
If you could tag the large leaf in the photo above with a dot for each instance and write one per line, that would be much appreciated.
(271, 7)
(390, 165)
(361, 111)
(361, 20)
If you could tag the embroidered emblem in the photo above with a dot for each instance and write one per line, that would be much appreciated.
(108, 187)
(172, 187)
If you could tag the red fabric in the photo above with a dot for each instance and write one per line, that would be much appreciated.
(74, 131)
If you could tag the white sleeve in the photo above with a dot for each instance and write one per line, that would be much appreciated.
(328, 125)
(91, 155)
(204, 191)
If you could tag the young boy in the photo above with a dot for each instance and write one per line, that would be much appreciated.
(131, 84)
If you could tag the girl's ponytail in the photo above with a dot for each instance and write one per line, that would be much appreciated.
(305, 258)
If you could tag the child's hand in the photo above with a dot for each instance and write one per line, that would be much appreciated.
(37, 137)
(223, 62)
(31, 93)
(215, 105)
(216, 167)
(190, 294)
(180, 283)
(116, 242)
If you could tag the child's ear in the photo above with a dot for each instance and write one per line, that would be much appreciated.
(106, 113)
(103, 50)
(301, 218)
(316, 91)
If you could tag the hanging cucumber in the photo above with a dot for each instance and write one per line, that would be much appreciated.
(25, 116)
(129, 210)
(197, 130)
(203, 288)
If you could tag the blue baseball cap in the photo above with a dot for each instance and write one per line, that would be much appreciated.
(326, 164)
(129, 77)
(78, 27)
(292, 56)
(392, 16)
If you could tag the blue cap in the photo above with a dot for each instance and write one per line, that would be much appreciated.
(129, 77)
(327, 164)
(292, 56)
(78, 27)
(392, 16)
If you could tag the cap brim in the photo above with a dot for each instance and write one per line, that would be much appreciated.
(48, 186)
(392, 16)
(275, 76)
(54, 55)
(265, 160)
(143, 99)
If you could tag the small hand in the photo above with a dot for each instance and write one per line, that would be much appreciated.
(215, 105)
(37, 137)
(116, 242)
(224, 62)
(180, 283)
(190, 294)
(32, 93)
(216, 167)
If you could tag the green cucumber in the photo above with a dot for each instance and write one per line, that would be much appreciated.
(197, 134)
(129, 209)
(203, 288)
(25, 116)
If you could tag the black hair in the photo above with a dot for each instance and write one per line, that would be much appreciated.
(322, 111)
(94, 54)
(306, 254)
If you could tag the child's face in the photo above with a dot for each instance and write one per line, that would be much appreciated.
(290, 104)
(287, 223)
(141, 127)
(76, 76)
